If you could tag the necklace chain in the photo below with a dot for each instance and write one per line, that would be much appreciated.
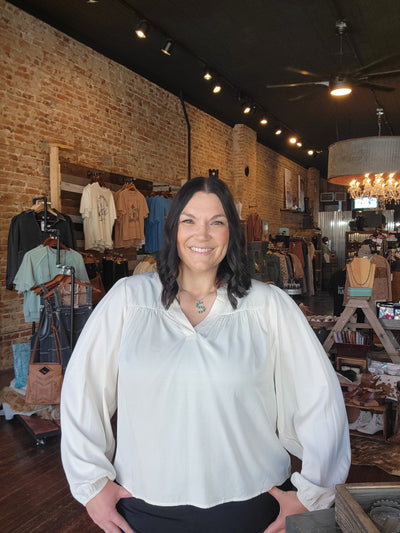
(199, 303)
(354, 279)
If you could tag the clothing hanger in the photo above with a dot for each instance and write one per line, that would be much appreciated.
(38, 289)
(88, 258)
(68, 282)
(51, 241)
(96, 177)
(38, 207)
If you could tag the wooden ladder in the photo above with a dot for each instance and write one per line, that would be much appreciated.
(384, 334)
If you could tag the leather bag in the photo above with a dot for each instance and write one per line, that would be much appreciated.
(43, 386)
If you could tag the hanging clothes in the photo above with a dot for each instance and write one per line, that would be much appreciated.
(298, 272)
(159, 206)
(114, 267)
(336, 289)
(131, 209)
(310, 259)
(26, 233)
(296, 248)
(273, 272)
(146, 264)
(39, 266)
(97, 208)
(56, 313)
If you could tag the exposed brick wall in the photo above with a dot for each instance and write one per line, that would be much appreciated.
(54, 89)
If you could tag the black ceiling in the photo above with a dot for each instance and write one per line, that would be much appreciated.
(250, 45)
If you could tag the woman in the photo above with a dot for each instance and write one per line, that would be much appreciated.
(216, 378)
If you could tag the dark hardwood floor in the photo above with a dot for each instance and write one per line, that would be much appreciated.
(34, 494)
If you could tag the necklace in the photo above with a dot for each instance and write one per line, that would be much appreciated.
(199, 302)
(354, 281)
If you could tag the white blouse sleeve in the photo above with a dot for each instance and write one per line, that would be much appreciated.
(312, 421)
(89, 398)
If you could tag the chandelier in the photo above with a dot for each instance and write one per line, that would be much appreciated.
(384, 187)
(368, 166)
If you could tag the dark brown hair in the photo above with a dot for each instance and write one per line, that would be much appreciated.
(233, 269)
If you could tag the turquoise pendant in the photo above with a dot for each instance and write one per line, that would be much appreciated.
(200, 306)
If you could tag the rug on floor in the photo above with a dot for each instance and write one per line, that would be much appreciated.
(367, 451)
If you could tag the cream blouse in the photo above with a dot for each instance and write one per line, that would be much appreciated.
(206, 414)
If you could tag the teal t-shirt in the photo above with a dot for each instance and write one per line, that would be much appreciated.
(39, 266)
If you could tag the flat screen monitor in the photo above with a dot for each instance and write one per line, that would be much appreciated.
(365, 203)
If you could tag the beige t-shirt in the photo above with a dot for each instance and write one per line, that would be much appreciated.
(98, 212)
(132, 209)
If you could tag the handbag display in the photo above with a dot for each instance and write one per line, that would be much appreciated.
(45, 379)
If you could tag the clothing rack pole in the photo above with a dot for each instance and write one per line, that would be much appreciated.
(72, 270)
(58, 258)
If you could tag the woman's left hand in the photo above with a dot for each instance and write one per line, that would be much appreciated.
(289, 504)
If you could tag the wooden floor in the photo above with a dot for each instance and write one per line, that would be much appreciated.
(34, 495)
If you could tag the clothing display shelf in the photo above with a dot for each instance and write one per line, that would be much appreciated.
(385, 409)
(383, 331)
(354, 240)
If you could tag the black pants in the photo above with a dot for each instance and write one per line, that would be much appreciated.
(250, 516)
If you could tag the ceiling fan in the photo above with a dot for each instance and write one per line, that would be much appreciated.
(340, 83)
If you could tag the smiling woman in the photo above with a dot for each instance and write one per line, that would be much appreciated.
(212, 390)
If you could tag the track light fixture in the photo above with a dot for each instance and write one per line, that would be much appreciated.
(246, 108)
(141, 29)
(249, 107)
(217, 87)
(167, 48)
(207, 74)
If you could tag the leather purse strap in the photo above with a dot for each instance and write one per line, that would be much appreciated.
(55, 333)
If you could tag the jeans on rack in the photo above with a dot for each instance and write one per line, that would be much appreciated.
(53, 306)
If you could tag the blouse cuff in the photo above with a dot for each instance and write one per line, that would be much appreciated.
(86, 491)
(313, 497)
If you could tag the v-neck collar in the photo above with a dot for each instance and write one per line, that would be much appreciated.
(220, 303)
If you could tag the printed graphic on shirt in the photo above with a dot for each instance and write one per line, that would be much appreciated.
(134, 213)
(102, 208)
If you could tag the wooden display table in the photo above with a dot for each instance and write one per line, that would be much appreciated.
(384, 409)
(313, 522)
(383, 332)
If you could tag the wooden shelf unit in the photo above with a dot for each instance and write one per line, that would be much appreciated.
(354, 240)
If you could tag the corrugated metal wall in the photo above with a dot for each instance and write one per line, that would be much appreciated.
(334, 225)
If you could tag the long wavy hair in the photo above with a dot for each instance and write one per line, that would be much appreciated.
(233, 269)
